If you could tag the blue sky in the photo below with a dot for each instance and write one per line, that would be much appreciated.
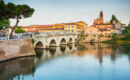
(59, 11)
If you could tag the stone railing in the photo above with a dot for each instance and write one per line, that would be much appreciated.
(34, 35)
(53, 34)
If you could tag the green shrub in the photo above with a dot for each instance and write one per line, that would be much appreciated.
(33, 40)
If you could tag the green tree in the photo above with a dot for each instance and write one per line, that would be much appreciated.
(126, 33)
(2, 8)
(4, 23)
(113, 19)
(21, 11)
(114, 37)
(19, 30)
(12, 11)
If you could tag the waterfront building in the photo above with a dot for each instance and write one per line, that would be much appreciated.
(106, 28)
(36, 28)
(70, 27)
(58, 26)
(92, 30)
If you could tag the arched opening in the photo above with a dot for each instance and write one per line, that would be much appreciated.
(63, 42)
(52, 43)
(70, 41)
(76, 40)
(39, 45)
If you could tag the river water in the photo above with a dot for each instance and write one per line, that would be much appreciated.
(95, 61)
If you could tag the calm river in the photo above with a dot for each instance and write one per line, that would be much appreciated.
(74, 62)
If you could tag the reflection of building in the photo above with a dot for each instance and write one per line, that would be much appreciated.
(98, 50)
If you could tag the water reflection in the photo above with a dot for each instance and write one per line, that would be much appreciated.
(29, 67)
(63, 48)
(17, 68)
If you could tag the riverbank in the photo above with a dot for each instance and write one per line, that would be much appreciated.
(117, 41)
(11, 49)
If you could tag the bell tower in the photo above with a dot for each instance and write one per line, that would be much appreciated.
(101, 15)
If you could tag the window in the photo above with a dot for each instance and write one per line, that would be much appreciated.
(68, 26)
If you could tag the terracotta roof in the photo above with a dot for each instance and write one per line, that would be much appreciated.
(53, 29)
(70, 23)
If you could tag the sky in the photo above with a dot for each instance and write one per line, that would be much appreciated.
(64, 11)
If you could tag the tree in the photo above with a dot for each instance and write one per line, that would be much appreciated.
(4, 23)
(19, 30)
(113, 19)
(21, 11)
(2, 7)
(12, 11)
(114, 37)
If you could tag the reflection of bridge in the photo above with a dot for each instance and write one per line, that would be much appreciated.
(54, 52)
(54, 40)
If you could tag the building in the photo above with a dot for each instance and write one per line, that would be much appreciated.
(106, 28)
(82, 25)
(43, 28)
(36, 28)
(71, 28)
(100, 19)
(92, 31)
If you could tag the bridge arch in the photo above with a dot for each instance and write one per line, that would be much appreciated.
(70, 41)
(39, 44)
(75, 40)
(52, 43)
(63, 41)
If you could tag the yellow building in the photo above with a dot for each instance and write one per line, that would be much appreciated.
(71, 28)
(81, 25)
(58, 26)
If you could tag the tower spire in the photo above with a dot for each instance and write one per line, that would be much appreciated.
(101, 15)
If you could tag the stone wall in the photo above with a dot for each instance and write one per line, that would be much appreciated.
(96, 38)
(16, 48)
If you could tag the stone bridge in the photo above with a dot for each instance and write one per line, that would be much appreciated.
(54, 40)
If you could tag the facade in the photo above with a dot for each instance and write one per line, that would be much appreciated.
(70, 27)
(43, 28)
(36, 28)
(92, 30)
(104, 26)
(81, 25)
(52, 30)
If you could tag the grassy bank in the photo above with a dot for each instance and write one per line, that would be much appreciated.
(117, 41)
